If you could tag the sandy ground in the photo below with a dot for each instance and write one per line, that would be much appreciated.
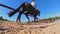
(13, 28)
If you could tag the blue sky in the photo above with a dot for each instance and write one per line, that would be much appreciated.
(48, 8)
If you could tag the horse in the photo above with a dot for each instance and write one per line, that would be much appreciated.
(26, 7)
(32, 14)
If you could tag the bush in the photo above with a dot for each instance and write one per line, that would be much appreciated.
(1, 18)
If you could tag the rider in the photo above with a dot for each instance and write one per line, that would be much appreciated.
(33, 3)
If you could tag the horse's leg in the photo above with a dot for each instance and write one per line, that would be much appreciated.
(18, 18)
(35, 17)
(26, 14)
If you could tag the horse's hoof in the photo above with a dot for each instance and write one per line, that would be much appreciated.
(28, 23)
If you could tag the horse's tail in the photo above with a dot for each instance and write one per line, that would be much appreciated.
(12, 13)
(15, 11)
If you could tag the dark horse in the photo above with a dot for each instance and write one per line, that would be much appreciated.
(25, 7)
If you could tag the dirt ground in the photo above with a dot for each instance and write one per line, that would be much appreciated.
(14, 28)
